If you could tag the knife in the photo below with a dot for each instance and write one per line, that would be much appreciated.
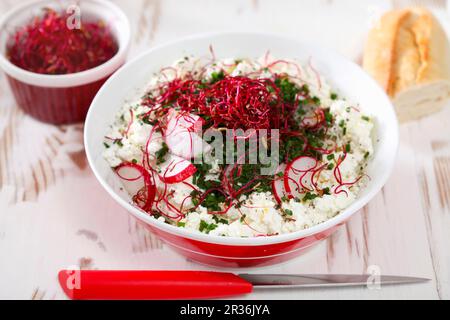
(141, 285)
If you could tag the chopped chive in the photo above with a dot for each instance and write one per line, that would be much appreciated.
(305, 89)
(328, 116)
(309, 196)
(146, 120)
(219, 220)
(316, 100)
(161, 153)
(217, 76)
(347, 147)
(207, 227)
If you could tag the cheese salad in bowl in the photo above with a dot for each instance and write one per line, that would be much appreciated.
(241, 149)
(160, 146)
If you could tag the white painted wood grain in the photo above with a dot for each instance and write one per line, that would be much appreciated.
(54, 214)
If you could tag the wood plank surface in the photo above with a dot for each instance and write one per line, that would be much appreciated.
(49, 221)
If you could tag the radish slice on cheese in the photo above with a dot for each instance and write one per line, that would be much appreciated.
(176, 169)
(181, 121)
(185, 144)
(136, 178)
(132, 178)
(180, 135)
(279, 192)
(298, 176)
(309, 122)
(314, 119)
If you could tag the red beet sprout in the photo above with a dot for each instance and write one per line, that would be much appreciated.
(46, 45)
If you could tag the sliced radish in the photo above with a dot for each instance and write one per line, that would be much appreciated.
(309, 122)
(176, 169)
(180, 135)
(139, 183)
(132, 178)
(298, 176)
(178, 121)
(279, 192)
(185, 144)
(167, 209)
(228, 175)
(173, 199)
(313, 120)
(154, 141)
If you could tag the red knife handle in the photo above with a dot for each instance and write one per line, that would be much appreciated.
(141, 285)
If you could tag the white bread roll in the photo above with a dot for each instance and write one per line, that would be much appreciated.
(408, 53)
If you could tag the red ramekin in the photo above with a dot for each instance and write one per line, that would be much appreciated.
(62, 99)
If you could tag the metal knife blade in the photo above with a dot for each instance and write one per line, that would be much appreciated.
(324, 280)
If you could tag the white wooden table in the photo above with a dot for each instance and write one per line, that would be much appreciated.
(54, 214)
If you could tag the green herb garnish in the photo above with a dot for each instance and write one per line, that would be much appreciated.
(207, 227)
(288, 89)
(219, 220)
(161, 153)
(213, 200)
(328, 116)
(146, 120)
(309, 196)
(316, 100)
(347, 147)
(217, 76)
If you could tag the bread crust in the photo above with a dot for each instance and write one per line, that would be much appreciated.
(379, 52)
(433, 47)
(408, 51)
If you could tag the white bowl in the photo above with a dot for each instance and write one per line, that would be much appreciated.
(348, 79)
